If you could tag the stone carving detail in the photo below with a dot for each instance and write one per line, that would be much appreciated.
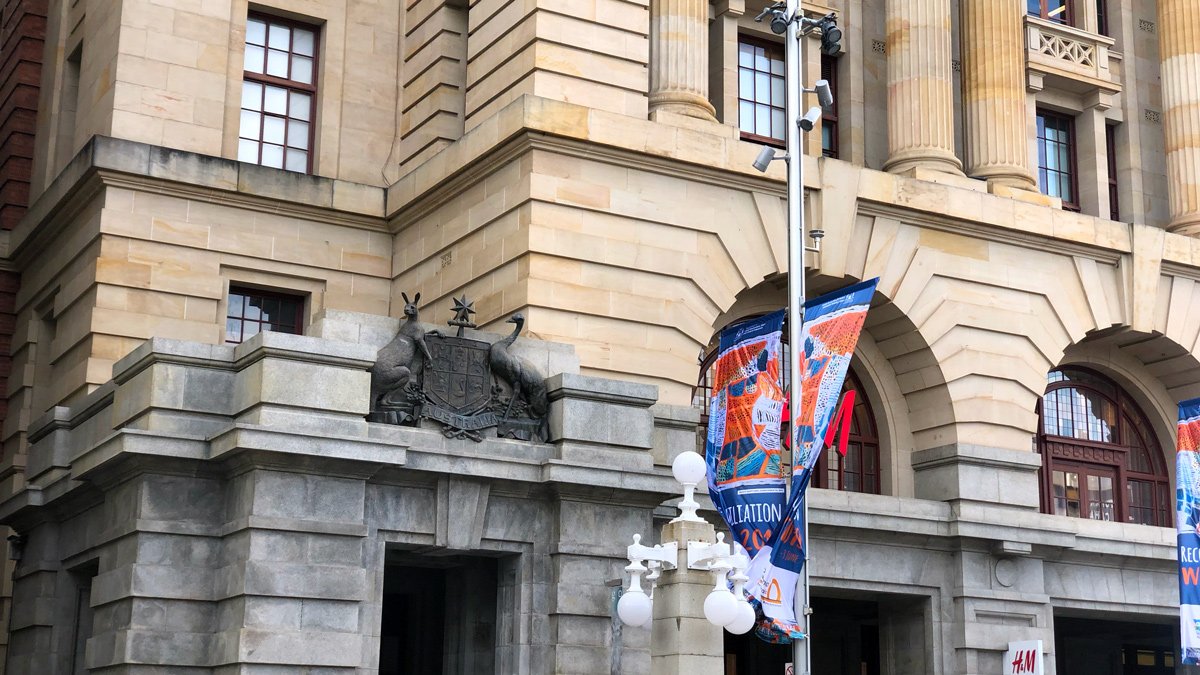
(1063, 47)
(464, 385)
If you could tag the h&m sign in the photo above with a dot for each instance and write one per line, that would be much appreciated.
(1024, 658)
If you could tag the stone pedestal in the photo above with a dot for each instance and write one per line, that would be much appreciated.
(683, 642)
(920, 87)
(679, 58)
(994, 93)
(1179, 48)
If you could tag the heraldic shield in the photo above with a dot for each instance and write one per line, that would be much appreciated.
(459, 377)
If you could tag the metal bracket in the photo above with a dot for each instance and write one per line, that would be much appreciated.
(666, 554)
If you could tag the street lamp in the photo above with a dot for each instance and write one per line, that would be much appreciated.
(723, 607)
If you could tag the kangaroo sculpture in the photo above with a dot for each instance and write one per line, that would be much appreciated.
(400, 361)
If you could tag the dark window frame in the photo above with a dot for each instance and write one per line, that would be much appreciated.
(829, 116)
(247, 292)
(1043, 11)
(1110, 148)
(1132, 435)
(290, 85)
(1102, 17)
(1044, 115)
(772, 49)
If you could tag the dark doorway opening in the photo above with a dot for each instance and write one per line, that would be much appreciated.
(1103, 647)
(848, 644)
(438, 615)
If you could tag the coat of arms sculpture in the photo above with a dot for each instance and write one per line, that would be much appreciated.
(462, 384)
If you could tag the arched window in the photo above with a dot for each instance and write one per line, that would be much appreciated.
(1099, 457)
(858, 471)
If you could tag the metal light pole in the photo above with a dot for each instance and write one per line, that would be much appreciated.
(787, 17)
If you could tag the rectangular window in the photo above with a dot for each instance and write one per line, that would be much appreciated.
(1057, 174)
(761, 98)
(1102, 17)
(829, 115)
(278, 90)
(1058, 11)
(1110, 147)
(252, 310)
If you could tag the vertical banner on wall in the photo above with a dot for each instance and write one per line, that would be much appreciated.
(745, 463)
(832, 324)
(1187, 522)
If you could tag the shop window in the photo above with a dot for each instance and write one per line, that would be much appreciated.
(279, 89)
(252, 311)
(1099, 458)
(761, 94)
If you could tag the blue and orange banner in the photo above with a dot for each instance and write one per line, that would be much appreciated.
(1187, 523)
(832, 325)
(745, 462)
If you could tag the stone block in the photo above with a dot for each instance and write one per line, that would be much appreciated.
(676, 430)
(592, 409)
(977, 473)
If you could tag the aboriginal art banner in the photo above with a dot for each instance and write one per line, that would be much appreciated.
(832, 324)
(1187, 522)
(745, 463)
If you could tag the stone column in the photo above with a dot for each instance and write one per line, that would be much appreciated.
(920, 87)
(679, 58)
(682, 641)
(994, 93)
(1179, 47)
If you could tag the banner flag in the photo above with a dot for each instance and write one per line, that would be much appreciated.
(745, 462)
(1187, 523)
(832, 325)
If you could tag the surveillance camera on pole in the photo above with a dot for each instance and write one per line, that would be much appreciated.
(766, 156)
(824, 93)
(810, 118)
(831, 36)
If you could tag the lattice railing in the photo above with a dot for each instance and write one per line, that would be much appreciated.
(1068, 49)
(1068, 52)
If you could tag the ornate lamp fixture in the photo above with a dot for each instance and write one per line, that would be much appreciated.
(722, 607)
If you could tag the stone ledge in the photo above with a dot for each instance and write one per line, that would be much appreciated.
(567, 385)
(976, 455)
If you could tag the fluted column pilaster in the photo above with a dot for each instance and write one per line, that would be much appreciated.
(994, 93)
(920, 87)
(679, 58)
(1179, 49)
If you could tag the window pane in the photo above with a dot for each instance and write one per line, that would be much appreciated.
(746, 116)
(297, 134)
(235, 304)
(761, 62)
(299, 105)
(746, 84)
(280, 37)
(1034, 7)
(250, 124)
(256, 32)
(302, 42)
(254, 59)
(252, 95)
(762, 120)
(276, 100)
(249, 330)
(247, 151)
(233, 330)
(272, 155)
(302, 69)
(776, 67)
(277, 63)
(762, 88)
(273, 130)
(745, 55)
(777, 94)
(297, 160)
(777, 123)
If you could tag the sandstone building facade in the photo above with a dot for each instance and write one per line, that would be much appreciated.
(213, 206)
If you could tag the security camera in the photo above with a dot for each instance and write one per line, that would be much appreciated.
(779, 23)
(824, 93)
(764, 158)
(810, 118)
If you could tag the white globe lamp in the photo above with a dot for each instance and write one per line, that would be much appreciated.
(720, 607)
(634, 608)
(743, 621)
(690, 470)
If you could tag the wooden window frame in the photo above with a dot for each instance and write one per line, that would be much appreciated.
(1110, 148)
(1073, 454)
(1102, 26)
(251, 291)
(829, 116)
(290, 85)
(1068, 14)
(772, 48)
(1072, 159)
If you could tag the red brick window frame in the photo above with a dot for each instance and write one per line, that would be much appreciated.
(253, 310)
(279, 93)
(761, 94)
